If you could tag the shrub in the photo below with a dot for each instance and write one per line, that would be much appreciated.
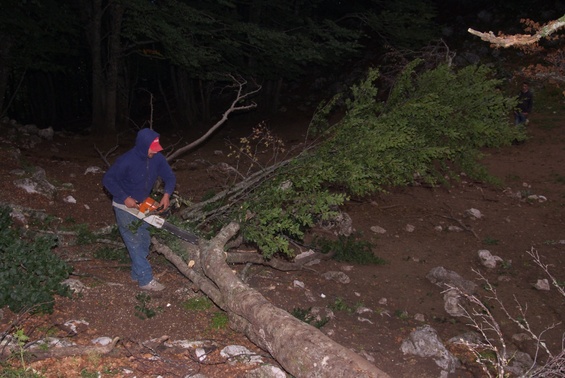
(30, 274)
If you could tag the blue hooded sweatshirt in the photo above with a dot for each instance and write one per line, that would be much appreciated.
(134, 173)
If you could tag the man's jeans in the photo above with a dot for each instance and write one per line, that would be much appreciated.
(519, 118)
(137, 240)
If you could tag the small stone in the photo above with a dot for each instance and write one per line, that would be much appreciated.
(474, 213)
(70, 199)
(542, 285)
(420, 318)
(378, 230)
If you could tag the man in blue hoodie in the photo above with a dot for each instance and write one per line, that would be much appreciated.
(130, 181)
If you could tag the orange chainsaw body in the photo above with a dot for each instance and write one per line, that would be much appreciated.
(148, 205)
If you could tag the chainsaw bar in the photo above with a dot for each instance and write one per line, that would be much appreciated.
(182, 234)
(160, 222)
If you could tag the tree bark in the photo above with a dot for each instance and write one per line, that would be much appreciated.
(93, 20)
(303, 350)
(114, 52)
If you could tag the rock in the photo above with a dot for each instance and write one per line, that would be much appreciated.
(102, 340)
(424, 342)
(542, 285)
(240, 353)
(74, 326)
(378, 230)
(447, 279)
(342, 224)
(266, 371)
(487, 259)
(452, 303)
(520, 363)
(304, 255)
(474, 213)
(337, 276)
(47, 133)
(51, 342)
(297, 283)
(409, 228)
(70, 199)
(200, 354)
(75, 285)
(37, 184)
(93, 170)
(420, 318)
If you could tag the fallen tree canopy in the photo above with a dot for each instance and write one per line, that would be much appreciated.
(301, 349)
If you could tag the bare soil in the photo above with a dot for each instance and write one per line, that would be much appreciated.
(394, 292)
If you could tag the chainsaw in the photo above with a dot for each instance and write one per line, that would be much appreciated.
(146, 212)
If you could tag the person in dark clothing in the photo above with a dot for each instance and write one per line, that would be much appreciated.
(525, 103)
(130, 181)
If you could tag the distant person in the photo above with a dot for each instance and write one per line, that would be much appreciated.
(525, 103)
(130, 180)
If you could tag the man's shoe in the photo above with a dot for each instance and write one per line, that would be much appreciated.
(153, 286)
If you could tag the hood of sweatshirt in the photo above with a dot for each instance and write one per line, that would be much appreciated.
(143, 140)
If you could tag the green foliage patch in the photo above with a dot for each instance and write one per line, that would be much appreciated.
(115, 254)
(197, 304)
(219, 320)
(143, 310)
(350, 249)
(30, 274)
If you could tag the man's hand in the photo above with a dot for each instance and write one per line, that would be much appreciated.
(130, 202)
(165, 201)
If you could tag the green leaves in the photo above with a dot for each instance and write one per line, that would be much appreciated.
(433, 127)
(30, 274)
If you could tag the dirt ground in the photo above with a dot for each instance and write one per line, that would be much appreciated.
(394, 293)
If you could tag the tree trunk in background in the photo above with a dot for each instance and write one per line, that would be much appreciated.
(186, 107)
(113, 64)
(104, 19)
(42, 98)
(5, 45)
(93, 17)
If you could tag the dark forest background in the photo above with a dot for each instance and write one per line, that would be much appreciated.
(100, 66)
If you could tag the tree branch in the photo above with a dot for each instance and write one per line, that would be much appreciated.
(520, 39)
(240, 84)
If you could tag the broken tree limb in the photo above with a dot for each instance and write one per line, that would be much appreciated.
(236, 105)
(303, 350)
(521, 39)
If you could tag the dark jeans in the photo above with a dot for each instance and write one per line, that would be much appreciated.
(519, 118)
(137, 241)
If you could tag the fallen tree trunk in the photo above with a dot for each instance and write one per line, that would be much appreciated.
(301, 349)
